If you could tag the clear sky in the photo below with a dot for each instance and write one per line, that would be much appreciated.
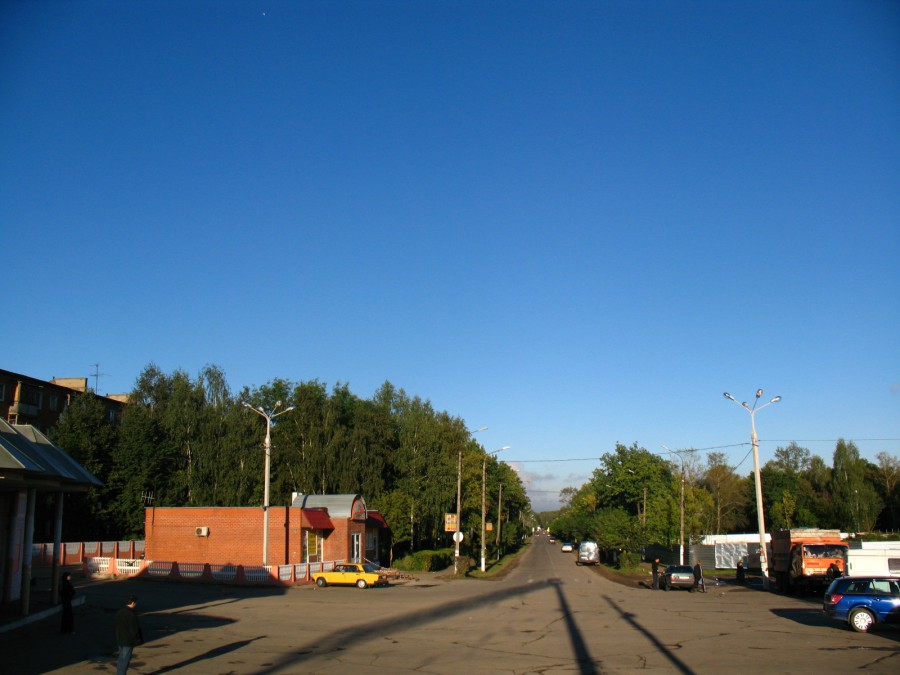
(575, 223)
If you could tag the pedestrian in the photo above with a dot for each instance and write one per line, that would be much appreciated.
(740, 571)
(654, 568)
(834, 571)
(128, 634)
(698, 579)
(66, 595)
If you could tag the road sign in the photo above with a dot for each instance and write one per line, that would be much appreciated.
(457, 537)
(450, 522)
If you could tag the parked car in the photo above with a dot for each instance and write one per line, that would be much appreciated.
(567, 547)
(863, 601)
(351, 574)
(677, 576)
(552, 540)
(588, 553)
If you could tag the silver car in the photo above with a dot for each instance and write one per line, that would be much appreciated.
(588, 553)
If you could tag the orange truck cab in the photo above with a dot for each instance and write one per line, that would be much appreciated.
(807, 558)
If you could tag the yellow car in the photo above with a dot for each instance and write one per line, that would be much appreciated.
(351, 574)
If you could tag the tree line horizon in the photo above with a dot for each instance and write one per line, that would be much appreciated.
(634, 498)
(184, 441)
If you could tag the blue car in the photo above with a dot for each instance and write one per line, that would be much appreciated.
(863, 601)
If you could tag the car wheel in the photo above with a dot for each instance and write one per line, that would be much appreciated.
(861, 620)
(361, 583)
(664, 586)
(321, 583)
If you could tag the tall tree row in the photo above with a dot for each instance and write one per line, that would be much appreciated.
(187, 441)
(634, 498)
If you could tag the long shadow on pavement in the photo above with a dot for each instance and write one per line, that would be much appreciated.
(582, 655)
(677, 663)
(211, 654)
(377, 629)
(164, 608)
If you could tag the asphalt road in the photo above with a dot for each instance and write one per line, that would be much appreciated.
(547, 616)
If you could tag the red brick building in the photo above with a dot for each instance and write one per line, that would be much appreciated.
(315, 528)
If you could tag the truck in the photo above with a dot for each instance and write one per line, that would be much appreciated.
(807, 558)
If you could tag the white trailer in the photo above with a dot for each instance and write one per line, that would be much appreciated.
(873, 562)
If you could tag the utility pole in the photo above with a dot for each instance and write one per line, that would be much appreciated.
(458, 536)
(484, 501)
(499, 519)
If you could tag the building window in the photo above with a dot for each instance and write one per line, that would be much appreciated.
(359, 509)
(313, 546)
(33, 396)
(53, 401)
(2, 391)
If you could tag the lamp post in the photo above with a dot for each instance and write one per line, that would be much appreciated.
(268, 447)
(677, 453)
(457, 536)
(483, 502)
(754, 441)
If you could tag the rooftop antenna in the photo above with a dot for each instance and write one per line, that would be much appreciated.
(97, 375)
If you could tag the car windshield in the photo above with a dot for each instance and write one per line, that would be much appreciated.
(823, 551)
(368, 567)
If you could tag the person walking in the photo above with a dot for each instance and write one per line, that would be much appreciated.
(66, 595)
(128, 634)
(741, 578)
(654, 567)
(698, 579)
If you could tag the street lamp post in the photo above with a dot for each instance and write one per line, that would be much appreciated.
(268, 447)
(484, 503)
(754, 441)
(457, 536)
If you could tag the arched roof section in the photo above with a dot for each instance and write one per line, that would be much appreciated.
(339, 506)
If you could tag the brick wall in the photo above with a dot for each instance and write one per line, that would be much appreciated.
(235, 535)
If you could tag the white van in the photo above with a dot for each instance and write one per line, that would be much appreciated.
(588, 553)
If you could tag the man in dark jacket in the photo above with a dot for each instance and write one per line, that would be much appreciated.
(654, 567)
(128, 634)
(67, 594)
(699, 584)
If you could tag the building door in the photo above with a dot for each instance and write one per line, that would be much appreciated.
(356, 548)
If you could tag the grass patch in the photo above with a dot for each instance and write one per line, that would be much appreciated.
(498, 568)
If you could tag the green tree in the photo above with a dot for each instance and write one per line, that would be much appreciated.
(729, 500)
(888, 481)
(856, 502)
(90, 438)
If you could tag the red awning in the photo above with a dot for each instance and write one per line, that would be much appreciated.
(316, 520)
(375, 519)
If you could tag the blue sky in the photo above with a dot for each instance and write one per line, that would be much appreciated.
(577, 223)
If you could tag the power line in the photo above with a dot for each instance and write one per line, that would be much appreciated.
(713, 447)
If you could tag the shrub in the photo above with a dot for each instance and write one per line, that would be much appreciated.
(425, 561)
(629, 561)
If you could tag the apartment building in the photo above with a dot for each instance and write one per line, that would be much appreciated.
(39, 403)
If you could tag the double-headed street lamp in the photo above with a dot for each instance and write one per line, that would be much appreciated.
(458, 535)
(754, 441)
(483, 502)
(268, 446)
